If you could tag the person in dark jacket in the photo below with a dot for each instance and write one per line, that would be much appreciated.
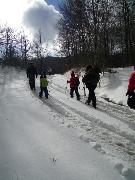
(90, 79)
(31, 74)
(131, 91)
(74, 83)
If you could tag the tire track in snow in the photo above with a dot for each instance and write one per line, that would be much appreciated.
(105, 134)
(94, 121)
(122, 113)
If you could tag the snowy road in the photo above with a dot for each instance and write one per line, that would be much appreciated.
(61, 138)
(111, 126)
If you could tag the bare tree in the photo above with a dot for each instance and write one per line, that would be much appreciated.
(98, 29)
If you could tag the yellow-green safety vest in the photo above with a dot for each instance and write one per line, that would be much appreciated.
(43, 82)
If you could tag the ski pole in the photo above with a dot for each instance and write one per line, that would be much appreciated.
(84, 90)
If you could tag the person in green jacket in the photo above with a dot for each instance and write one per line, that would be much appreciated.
(43, 86)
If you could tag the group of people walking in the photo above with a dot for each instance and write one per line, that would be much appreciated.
(90, 80)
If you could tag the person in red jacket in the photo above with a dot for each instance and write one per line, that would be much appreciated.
(74, 83)
(131, 91)
(131, 84)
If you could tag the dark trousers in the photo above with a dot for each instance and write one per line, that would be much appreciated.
(91, 96)
(45, 90)
(32, 82)
(76, 92)
(131, 101)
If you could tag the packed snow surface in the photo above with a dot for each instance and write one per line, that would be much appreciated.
(64, 139)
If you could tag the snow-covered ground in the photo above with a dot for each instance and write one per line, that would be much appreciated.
(61, 138)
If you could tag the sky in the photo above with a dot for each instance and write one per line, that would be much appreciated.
(32, 15)
(61, 138)
(55, 3)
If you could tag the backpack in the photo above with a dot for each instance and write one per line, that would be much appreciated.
(91, 79)
(77, 81)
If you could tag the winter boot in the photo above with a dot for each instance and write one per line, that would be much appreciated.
(78, 97)
(94, 105)
(87, 102)
(40, 94)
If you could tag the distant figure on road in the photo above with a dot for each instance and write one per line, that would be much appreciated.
(49, 70)
(31, 74)
(131, 91)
